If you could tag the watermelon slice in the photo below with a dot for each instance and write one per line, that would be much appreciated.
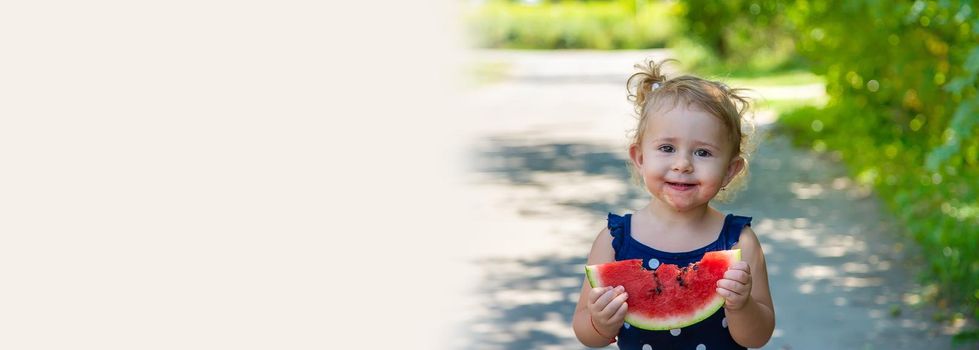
(669, 297)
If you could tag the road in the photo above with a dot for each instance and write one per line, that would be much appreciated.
(548, 161)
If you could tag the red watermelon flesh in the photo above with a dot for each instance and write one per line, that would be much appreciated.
(671, 296)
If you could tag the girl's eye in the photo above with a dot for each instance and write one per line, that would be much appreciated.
(666, 148)
(702, 153)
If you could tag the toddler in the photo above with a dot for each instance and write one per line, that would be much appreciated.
(688, 147)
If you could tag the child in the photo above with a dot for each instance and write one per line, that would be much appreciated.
(688, 147)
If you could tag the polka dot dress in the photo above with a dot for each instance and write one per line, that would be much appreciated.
(710, 334)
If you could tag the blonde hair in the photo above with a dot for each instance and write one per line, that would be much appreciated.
(649, 88)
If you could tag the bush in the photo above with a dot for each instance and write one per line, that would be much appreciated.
(738, 35)
(902, 111)
(572, 25)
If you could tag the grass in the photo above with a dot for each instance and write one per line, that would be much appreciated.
(794, 77)
(783, 106)
(571, 25)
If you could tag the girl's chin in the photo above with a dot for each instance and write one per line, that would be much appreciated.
(682, 203)
(683, 208)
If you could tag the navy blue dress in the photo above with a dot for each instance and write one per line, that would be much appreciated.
(711, 333)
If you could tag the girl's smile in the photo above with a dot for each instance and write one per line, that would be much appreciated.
(680, 186)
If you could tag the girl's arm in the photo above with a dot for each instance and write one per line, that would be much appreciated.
(582, 323)
(752, 324)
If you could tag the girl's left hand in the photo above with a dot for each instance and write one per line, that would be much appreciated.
(735, 286)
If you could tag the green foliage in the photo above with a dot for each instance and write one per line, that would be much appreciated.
(788, 77)
(902, 113)
(572, 25)
(739, 35)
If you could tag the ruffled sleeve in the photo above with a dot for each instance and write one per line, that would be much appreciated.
(733, 230)
(616, 227)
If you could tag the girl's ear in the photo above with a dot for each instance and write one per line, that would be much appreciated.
(635, 153)
(733, 169)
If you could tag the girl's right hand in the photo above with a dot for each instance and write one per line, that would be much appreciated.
(607, 307)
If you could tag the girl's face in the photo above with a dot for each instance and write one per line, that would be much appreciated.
(685, 156)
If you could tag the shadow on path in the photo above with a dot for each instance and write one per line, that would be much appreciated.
(839, 276)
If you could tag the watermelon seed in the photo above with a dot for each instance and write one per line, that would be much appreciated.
(679, 278)
(658, 289)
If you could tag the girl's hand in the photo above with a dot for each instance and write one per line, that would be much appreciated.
(735, 286)
(607, 307)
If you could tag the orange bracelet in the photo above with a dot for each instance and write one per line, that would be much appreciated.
(592, 321)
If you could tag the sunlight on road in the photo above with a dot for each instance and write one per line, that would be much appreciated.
(551, 162)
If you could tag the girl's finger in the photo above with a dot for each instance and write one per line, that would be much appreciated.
(596, 293)
(620, 313)
(733, 286)
(727, 293)
(741, 265)
(737, 275)
(605, 298)
(614, 305)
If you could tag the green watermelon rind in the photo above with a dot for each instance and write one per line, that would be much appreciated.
(651, 325)
(590, 273)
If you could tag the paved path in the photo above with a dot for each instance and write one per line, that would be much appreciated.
(549, 162)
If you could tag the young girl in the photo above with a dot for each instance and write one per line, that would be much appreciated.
(688, 147)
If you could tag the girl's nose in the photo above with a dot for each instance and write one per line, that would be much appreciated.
(682, 164)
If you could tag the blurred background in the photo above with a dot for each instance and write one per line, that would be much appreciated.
(864, 184)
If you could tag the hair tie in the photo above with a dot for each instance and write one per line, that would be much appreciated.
(655, 86)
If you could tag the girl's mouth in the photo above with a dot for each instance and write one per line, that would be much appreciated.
(680, 186)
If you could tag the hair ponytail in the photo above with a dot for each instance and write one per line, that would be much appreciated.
(640, 84)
